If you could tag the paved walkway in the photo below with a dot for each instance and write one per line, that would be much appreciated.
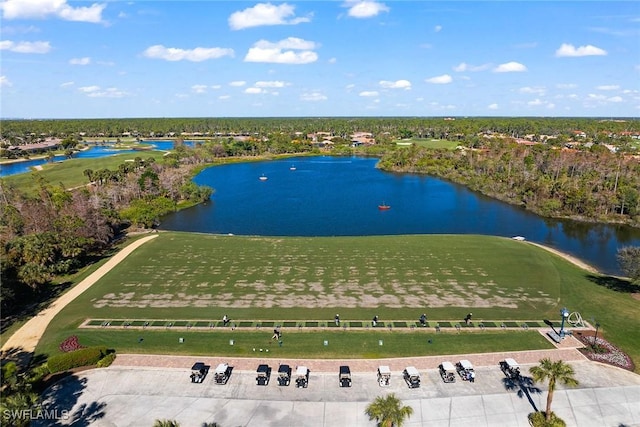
(129, 393)
(26, 338)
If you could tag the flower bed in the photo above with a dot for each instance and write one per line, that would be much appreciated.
(605, 352)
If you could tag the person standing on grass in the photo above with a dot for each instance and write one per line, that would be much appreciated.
(337, 319)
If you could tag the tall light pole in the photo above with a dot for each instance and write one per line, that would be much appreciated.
(565, 315)
(595, 337)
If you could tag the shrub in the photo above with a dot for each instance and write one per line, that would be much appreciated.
(538, 419)
(107, 360)
(83, 357)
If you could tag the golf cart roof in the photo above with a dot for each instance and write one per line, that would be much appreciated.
(412, 371)
(383, 369)
(344, 370)
(221, 368)
(284, 369)
(263, 368)
(466, 364)
(511, 362)
(448, 366)
(197, 366)
(302, 371)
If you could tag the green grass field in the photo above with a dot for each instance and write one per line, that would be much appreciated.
(70, 172)
(428, 143)
(203, 277)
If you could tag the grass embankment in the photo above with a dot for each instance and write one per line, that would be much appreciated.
(194, 276)
(71, 172)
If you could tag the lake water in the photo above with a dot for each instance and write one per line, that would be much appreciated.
(327, 196)
(93, 152)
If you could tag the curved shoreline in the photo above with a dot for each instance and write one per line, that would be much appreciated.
(575, 261)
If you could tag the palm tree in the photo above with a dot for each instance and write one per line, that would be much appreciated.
(166, 423)
(553, 372)
(388, 411)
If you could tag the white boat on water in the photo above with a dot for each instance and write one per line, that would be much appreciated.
(292, 168)
(263, 178)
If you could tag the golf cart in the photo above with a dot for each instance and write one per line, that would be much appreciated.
(384, 376)
(302, 377)
(345, 376)
(465, 370)
(263, 374)
(510, 368)
(411, 377)
(222, 373)
(284, 375)
(198, 372)
(447, 372)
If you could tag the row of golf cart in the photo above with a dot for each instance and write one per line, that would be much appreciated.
(221, 374)
(448, 371)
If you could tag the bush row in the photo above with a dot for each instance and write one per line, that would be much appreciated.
(82, 357)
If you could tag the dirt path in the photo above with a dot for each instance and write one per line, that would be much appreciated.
(568, 257)
(26, 338)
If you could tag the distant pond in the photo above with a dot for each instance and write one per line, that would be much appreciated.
(340, 196)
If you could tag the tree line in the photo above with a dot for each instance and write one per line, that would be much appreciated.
(588, 185)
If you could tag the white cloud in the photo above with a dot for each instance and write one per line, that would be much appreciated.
(291, 50)
(365, 8)
(493, 106)
(80, 61)
(332, 60)
(368, 93)
(615, 99)
(437, 28)
(41, 9)
(398, 84)
(199, 88)
(265, 14)
(238, 83)
(440, 80)
(67, 84)
(538, 90)
(254, 90)
(224, 97)
(510, 67)
(608, 87)
(463, 66)
(98, 92)
(566, 85)
(570, 50)
(313, 96)
(271, 84)
(536, 102)
(25, 47)
(4, 81)
(198, 54)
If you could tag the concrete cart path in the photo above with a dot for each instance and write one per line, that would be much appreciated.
(135, 396)
(26, 338)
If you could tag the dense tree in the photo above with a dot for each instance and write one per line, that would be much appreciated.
(629, 261)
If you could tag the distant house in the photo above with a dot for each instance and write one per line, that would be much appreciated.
(48, 144)
(579, 134)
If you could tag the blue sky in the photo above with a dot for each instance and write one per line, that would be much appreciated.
(103, 59)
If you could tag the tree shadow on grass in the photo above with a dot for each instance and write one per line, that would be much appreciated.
(524, 386)
(22, 358)
(614, 283)
(61, 399)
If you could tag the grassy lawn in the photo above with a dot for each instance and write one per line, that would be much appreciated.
(428, 143)
(202, 277)
(341, 344)
(70, 172)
